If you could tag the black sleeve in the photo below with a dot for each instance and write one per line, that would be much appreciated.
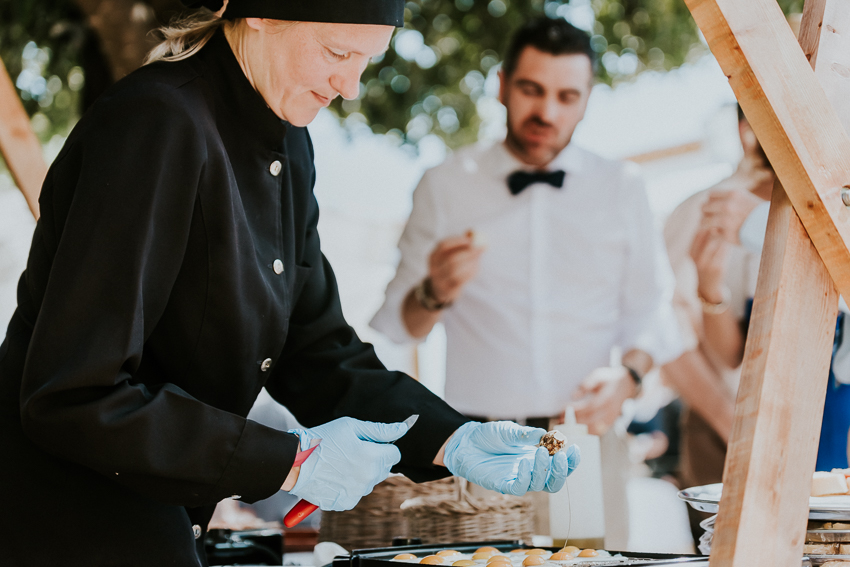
(126, 188)
(327, 372)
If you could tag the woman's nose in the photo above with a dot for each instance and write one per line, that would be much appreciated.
(347, 82)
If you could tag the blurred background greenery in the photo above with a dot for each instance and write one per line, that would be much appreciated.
(61, 54)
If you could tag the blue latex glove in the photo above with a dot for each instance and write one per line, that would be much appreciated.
(353, 457)
(503, 456)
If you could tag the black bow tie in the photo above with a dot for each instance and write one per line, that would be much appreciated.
(519, 180)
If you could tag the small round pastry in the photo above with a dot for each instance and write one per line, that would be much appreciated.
(554, 441)
(481, 555)
(487, 549)
(464, 563)
(404, 557)
(588, 553)
(536, 552)
(561, 556)
(518, 551)
(571, 549)
(532, 560)
(499, 559)
(448, 553)
(431, 560)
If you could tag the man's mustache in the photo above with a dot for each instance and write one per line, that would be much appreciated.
(537, 121)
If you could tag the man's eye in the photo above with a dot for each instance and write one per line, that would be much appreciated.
(338, 56)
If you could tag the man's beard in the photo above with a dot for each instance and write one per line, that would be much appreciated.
(522, 149)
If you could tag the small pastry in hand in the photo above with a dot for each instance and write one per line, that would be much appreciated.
(554, 441)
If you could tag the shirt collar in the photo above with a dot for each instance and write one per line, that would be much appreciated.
(218, 64)
(505, 162)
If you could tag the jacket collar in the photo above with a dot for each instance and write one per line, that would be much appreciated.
(217, 63)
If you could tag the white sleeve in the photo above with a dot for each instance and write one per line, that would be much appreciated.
(751, 233)
(648, 320)
(415, 245)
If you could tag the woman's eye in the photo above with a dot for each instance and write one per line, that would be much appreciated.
(338, 56)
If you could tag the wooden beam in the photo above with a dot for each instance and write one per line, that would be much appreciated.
(774, 443)
(18, 143)
(790, 114)
(772, 451)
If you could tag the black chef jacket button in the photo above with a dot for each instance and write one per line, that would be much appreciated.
(196, 529)
(266, 364)
(278, 267)
(275, 168)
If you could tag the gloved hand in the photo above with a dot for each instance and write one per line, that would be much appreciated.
(503, 456)
(353, 457)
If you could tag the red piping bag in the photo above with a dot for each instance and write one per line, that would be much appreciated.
(303, 508)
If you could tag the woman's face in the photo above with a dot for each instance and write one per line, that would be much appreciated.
(298, 68)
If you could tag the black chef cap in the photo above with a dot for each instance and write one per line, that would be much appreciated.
(379, 12)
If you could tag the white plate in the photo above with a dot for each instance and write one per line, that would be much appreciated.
(707, 499)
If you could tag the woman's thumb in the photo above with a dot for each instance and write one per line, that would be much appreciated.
(380, 432)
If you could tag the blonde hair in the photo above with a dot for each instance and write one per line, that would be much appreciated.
(185, 36)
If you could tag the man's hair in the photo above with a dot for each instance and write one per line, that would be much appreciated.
(555, 37)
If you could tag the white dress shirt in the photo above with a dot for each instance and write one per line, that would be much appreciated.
(567, 274)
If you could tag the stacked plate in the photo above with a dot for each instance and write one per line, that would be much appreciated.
(828, 535)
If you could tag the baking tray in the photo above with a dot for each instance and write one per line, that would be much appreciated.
(707, 499)
(382, 557)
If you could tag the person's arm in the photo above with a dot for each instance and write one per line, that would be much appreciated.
(600, 397)
(122, 197)
(451, 265)
(700, 387)
(648, 321)
(723, 333)
(418, 239)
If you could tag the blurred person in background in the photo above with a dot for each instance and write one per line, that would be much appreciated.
(539, 257)
(714, 240)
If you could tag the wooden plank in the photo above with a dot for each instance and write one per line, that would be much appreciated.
(18, 143)
(771, 454)
(773, 447)
(791, 115)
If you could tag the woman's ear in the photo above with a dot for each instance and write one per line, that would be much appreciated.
(255, 23)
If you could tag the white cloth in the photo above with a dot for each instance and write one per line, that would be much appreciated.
(751, 234)
(567, 274)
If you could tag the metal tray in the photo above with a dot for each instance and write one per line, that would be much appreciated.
(821, 559)
(382, 557)
(707, 499)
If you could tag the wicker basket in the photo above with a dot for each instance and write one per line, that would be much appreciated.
(377, 518)
(462, 517)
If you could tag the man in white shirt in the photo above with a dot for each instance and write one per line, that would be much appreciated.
(572, 266)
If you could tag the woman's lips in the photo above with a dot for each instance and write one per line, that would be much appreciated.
(323, 100)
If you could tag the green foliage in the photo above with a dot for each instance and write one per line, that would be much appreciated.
(40, 43)
(432, 79)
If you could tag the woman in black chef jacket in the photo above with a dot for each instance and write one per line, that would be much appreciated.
(175, 271)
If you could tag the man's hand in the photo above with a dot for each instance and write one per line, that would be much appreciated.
(504, 456)
(451, 265)
(600, 397)
(725, 212)
(709, 251)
